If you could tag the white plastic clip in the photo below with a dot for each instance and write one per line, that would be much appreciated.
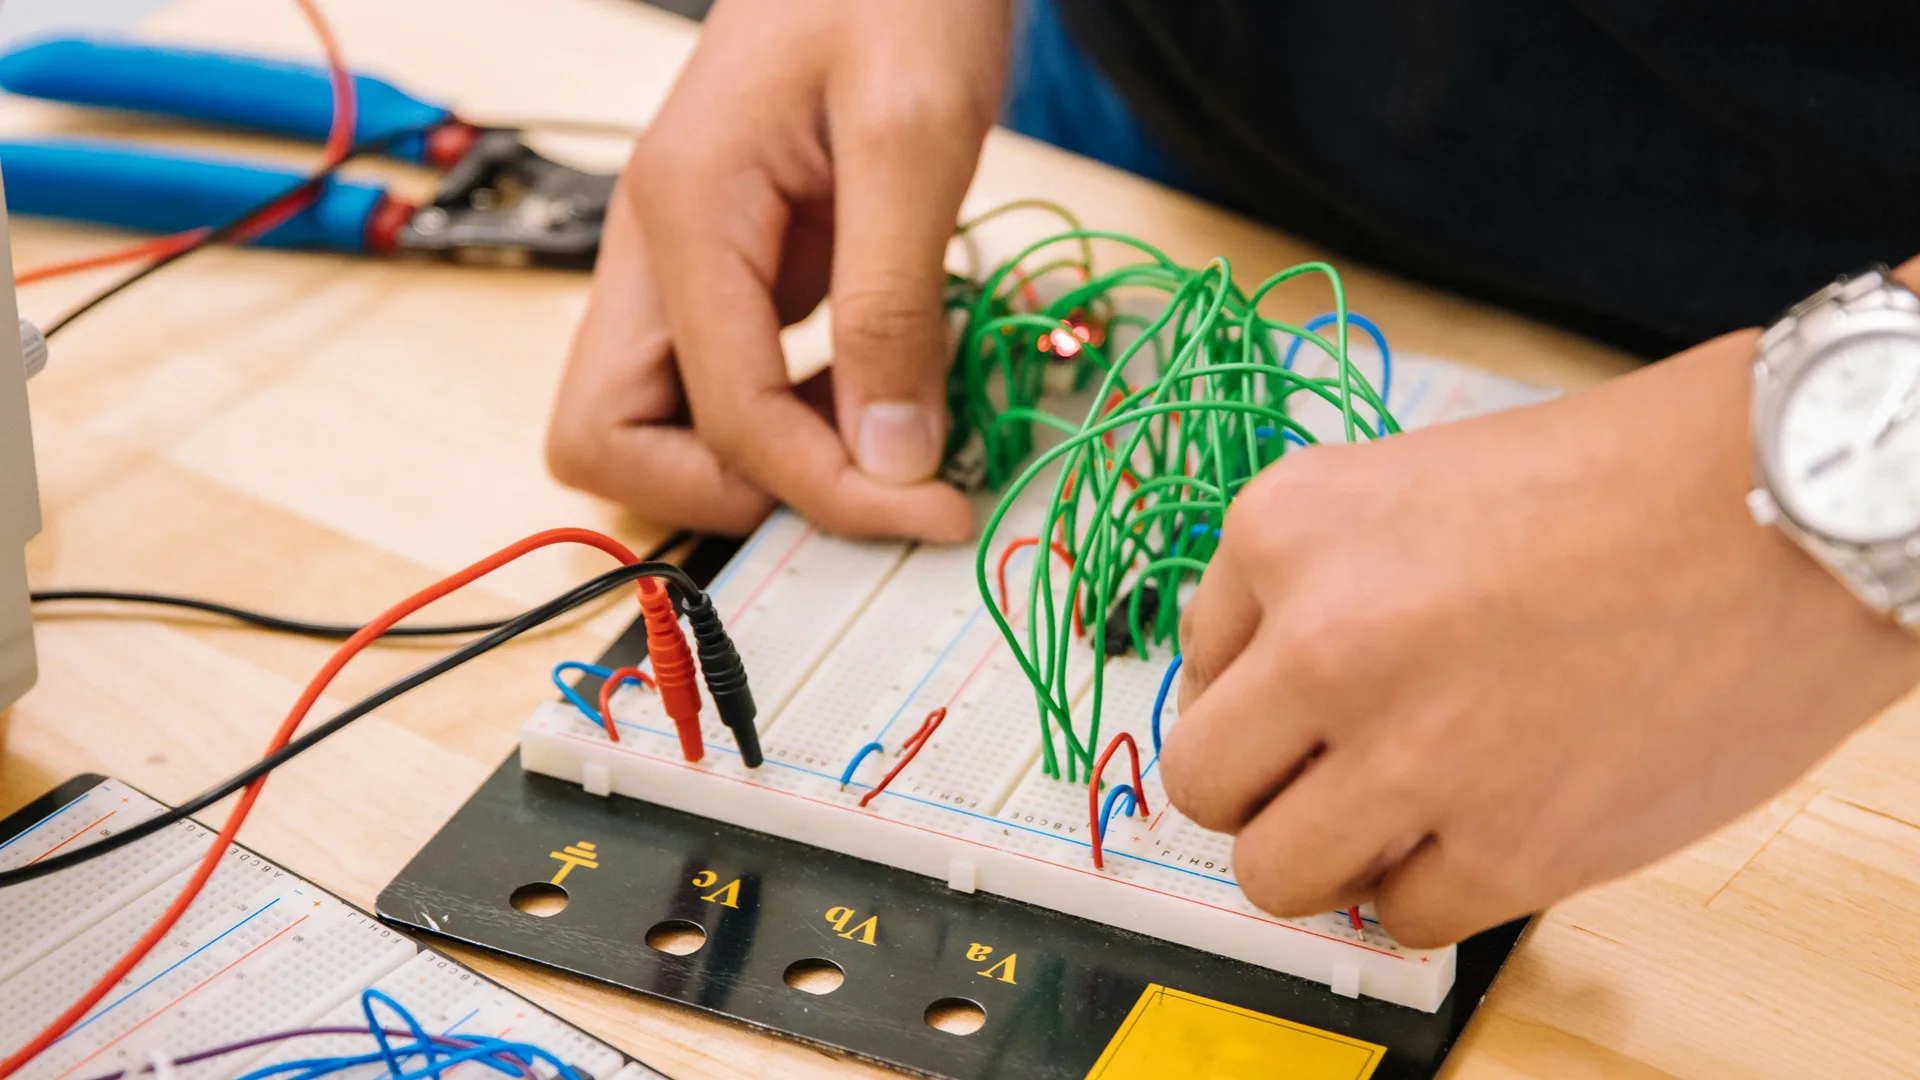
(596, 778)
(962, 875)
(1345, 980)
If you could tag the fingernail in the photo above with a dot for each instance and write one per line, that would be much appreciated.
(896, 443)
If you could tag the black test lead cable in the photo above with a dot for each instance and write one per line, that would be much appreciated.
(233, 226)
(259, 620)
(509, 630)
(279, 624)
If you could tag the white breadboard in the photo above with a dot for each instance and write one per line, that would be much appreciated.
(40, 916)
(852, 643)
(1426, 391)
(259, 952)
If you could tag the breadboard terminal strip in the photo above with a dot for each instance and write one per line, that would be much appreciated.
(922, 711)
(844, 639)
(266, 977)
(1108, 520)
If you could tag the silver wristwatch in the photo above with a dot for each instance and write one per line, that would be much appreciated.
(1836, 436)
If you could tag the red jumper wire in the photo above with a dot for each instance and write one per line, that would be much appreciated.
(911, 749)
(1093, 790)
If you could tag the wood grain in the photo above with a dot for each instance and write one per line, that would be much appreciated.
(320, 435)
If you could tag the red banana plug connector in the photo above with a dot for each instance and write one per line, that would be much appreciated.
(673, 670)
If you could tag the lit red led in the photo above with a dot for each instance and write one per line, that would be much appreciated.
(1074, 331)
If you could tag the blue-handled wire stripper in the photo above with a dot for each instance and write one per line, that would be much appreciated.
(499, 202)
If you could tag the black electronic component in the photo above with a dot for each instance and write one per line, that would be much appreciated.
(1117, 635)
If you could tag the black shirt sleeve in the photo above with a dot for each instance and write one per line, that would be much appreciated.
(1649, 172)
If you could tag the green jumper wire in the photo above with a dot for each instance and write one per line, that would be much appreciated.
(1193, 405)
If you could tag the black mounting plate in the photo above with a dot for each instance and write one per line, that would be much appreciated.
(646, 865)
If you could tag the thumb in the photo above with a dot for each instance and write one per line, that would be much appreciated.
(898, 191)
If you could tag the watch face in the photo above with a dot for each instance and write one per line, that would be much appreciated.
(1847, 447)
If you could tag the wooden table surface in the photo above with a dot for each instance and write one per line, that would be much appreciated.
(321, 435)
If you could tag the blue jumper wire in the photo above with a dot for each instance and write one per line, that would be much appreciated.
(1321, 322)
(1106, 808)
(854, 765)
(1160, 700)
(586, 708)
(501, 1055)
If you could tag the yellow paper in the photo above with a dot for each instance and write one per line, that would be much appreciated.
(1171, 1034)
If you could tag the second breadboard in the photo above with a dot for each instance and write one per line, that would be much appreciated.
(258, 959)
(854, 644)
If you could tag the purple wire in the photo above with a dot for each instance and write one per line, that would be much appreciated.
(281, 1036)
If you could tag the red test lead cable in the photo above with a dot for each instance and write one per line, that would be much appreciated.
(347, 650)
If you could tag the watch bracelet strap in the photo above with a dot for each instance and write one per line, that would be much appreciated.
(1894, 577)
(1887, 578)
(1842, 289)
(1838, 293)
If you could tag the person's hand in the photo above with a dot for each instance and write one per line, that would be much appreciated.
(1468, 671)
(811, 147)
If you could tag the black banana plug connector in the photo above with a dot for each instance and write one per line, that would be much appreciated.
(725, 675)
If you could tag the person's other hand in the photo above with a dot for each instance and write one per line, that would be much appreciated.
(1468, 671)
(810, 148)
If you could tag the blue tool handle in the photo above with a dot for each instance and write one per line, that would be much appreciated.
(250, 92)
(169, 193)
